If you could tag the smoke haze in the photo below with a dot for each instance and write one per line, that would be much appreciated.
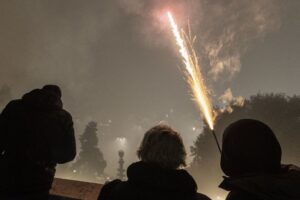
(117, 63)
(224, 28)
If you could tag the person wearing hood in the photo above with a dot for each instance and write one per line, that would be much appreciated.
(251, 159)
(158, 174)
(36, 133)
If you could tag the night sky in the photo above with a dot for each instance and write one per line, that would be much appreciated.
(117, 63)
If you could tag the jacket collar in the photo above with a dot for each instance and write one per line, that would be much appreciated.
(274, 186)
(152, 175)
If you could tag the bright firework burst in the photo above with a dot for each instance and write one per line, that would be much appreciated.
(192, 72)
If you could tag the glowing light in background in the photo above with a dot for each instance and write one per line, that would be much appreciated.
(121, 142)
(192, 72)
(219, 198)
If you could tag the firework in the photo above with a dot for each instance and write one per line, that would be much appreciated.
(193, 74)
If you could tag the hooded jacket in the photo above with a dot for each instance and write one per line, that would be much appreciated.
(36, 134)
(284, 185)
(251, 159)
(147, 181)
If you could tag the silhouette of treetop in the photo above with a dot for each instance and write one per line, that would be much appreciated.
(90, 162)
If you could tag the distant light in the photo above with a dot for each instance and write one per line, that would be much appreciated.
(121, 141)
(74, 171)
(219, 198)
(194, 128)
(167, 115)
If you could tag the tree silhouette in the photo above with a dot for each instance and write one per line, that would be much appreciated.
(280, 112)
(90, 163)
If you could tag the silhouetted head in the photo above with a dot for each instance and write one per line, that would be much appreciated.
(54, 89)
(249, 146)
(163, 146)
(47, 98)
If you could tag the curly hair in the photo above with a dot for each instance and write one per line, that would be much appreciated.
(163, 146)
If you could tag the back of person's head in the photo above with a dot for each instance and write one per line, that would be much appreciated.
(47, 98)
(54, 89)
(249, 146)
(163, 146)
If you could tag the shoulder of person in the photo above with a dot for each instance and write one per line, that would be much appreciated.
(13, 103)
(200, 196)
(62, 114)
(108, 189)
(240, 195)
(12, 106)
(66, 114)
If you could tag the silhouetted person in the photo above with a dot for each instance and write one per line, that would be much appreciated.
(36, 133)
(251, 158)
(157, 176)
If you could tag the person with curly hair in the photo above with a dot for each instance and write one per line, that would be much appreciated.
(159, 174)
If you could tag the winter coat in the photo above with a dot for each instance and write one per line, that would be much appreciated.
(35, 134)
(147, 181)
(284, 185)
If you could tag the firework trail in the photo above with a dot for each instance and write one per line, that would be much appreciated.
(193, 73)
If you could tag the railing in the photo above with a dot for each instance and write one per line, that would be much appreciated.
(74, 190)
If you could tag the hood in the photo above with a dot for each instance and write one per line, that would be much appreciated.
(249, 147)
(42, 100)
(151, 175)
(284, 185)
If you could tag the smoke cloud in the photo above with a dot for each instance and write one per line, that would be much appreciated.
(228, 100)
(225, 29)
(44, 42)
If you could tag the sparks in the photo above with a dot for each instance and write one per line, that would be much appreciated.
(193, 73)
